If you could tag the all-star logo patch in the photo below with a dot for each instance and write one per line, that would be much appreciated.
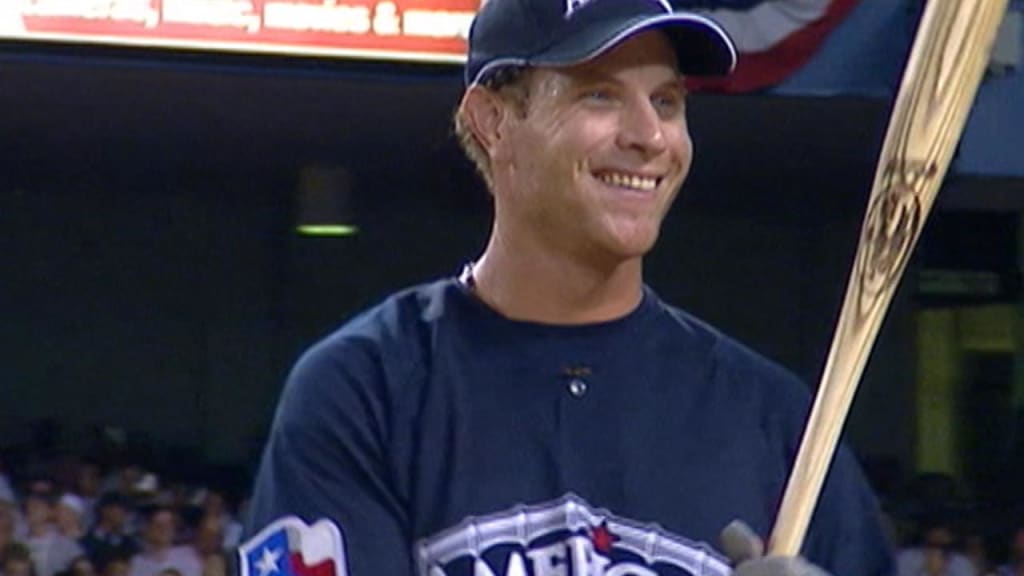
(567, 537)
(290, 547)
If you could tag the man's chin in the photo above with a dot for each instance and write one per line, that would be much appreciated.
(634, 246)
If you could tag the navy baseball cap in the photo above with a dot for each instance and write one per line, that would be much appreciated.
(566, 32)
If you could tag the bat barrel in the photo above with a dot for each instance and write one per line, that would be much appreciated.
(946, 64)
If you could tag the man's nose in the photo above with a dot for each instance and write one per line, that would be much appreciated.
(642, 128)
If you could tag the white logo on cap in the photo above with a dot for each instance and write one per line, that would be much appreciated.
(571, 6)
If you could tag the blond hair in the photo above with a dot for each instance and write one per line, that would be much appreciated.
(510, 83)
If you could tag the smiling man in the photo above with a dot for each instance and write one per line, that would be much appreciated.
(545, 413)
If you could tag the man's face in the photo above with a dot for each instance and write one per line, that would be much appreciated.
(82, 567)
(113, 516)
(938, 543)
(209, 536)
(592, 166)
(117, 567)
(213, 504)
(67, 518)
(89, 480)
(37, 511)
(161, 529)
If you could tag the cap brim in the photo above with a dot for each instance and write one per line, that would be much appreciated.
(703, 48)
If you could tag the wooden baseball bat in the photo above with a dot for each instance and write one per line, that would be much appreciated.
(949, 56)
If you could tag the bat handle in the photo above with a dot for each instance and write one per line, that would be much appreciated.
(806, 480)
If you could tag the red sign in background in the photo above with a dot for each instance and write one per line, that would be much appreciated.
(428, 30)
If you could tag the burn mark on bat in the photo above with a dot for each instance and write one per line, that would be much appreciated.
(893, 221)
(896, 214)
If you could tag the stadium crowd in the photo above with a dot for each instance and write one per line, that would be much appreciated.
(72, 515)
(75, 518)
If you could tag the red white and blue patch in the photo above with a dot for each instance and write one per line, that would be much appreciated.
(290, 547)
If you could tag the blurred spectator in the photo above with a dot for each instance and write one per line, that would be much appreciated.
(1015, 561)
(109, 537)
(976, 548)
(117, 566)
(215, 505)
(145, 492)
(16, 560)
(175, 495)
(6, 490)
(209, 537)
(209, 545)
(123, 480)
(87, 487)
(80, 566)
(51, 551)
(242, 511)
(7, 523)
(158, 551)
(41, 486)
(215, 565)
(68, 516)
(936, 553)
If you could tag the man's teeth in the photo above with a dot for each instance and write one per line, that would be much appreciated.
(628, 181)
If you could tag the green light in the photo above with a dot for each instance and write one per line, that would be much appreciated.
(327, 230)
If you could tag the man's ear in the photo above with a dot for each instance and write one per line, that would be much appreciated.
(486, 115)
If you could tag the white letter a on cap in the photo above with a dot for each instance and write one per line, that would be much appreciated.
(571, 6)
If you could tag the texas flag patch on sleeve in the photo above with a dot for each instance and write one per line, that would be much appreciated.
(290, 547)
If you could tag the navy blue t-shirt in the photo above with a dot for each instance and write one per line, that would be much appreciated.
(445, 440)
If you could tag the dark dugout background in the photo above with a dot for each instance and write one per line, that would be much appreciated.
(152, 280)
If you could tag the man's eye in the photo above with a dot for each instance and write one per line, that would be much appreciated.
(598, 95)
(669, 104)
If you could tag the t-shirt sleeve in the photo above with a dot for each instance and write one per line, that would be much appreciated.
(325, 459)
